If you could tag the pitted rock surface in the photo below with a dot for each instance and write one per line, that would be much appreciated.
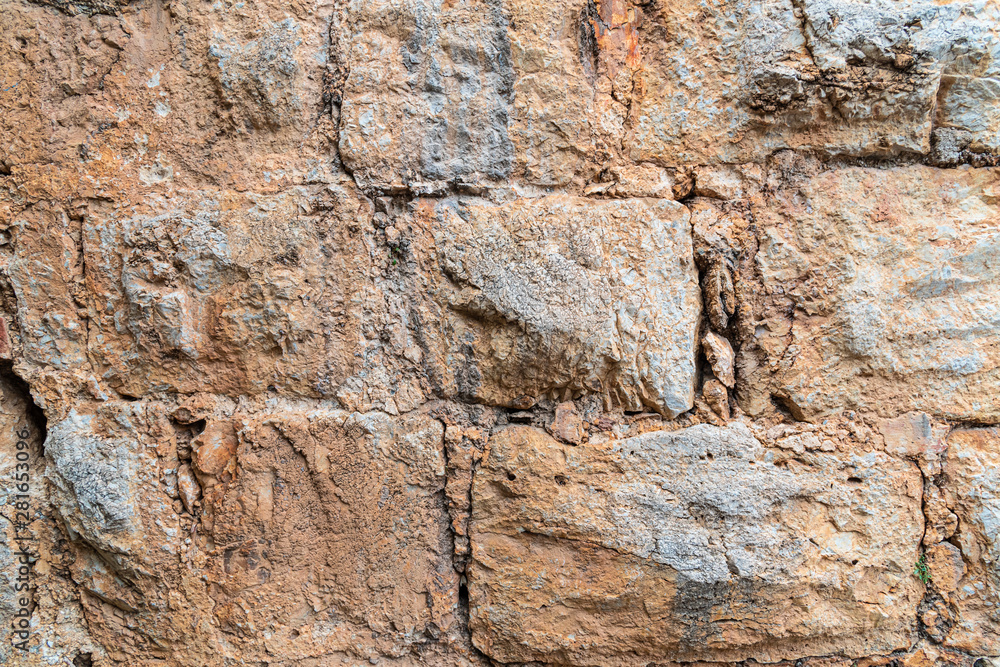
(481, 332)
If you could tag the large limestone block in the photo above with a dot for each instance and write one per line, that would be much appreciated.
(337, 535)
(306, 530)
(555, 91)
(698, 544)
(736, 81)
(43, 271)
(426, 93)
(96, 479)
(207, 291)
(105, 102)
(891, 279)
(259, 77)
(564, 122)
(28, 530)
(559, 294)
(972, 487)
(472, 92)
(121, 541)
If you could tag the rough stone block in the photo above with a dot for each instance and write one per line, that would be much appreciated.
(894, 297)
(972, 484)
(559, 294)
(427, 92)
(698, 544)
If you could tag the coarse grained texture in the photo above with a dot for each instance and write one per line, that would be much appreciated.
(560, 294)
(971, 482)
(839, 77)
(697, 542)
(479, 332)
(891, 279)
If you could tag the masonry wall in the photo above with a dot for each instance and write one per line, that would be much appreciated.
(482, 332)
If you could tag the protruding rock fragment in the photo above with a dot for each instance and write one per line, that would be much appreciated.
(717, 398)
(941, 521)
(945, 566)
(215, 449)
(719, 354)
(188, 487)
(5, 351)
(715, 250)
(567, 425)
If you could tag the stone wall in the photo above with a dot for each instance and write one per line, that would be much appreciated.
(479, 332)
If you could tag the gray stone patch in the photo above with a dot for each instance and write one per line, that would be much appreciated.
(95, 477)
(427, 94)
(259, 76)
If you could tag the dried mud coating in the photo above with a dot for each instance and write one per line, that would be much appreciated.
(424, 332)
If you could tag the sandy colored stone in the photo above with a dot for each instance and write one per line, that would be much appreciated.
(333, 485)
(891, 298)
(566, 424)
(644, 180)
(565, 126)
(916, 436)
(427, 92)
(215, 449)
(717, 398)
(728, 181)
(941, 521)
(529, 298)
(719, 353)
(971, 477)
(363, 490)
(226, 292)
(763, 77)
(187, 487)
(945, 566)
(672, 542)
(277, 279)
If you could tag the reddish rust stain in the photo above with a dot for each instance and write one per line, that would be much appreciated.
(617, 36)
(4, 340)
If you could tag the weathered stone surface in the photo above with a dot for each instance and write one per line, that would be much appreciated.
(719, 354)
(260, 77)
(96, 479)
(56, 619)
(363, 490)
(551, 90)
(208, 291)
(689, 543)
(566, 424)
(605, 332)
(563, 125)
(969, 575)
(916, 436)
(427, 92)
(330, 532)
(561, 295)
(836, 76)
(945, 566)
(892, 300)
